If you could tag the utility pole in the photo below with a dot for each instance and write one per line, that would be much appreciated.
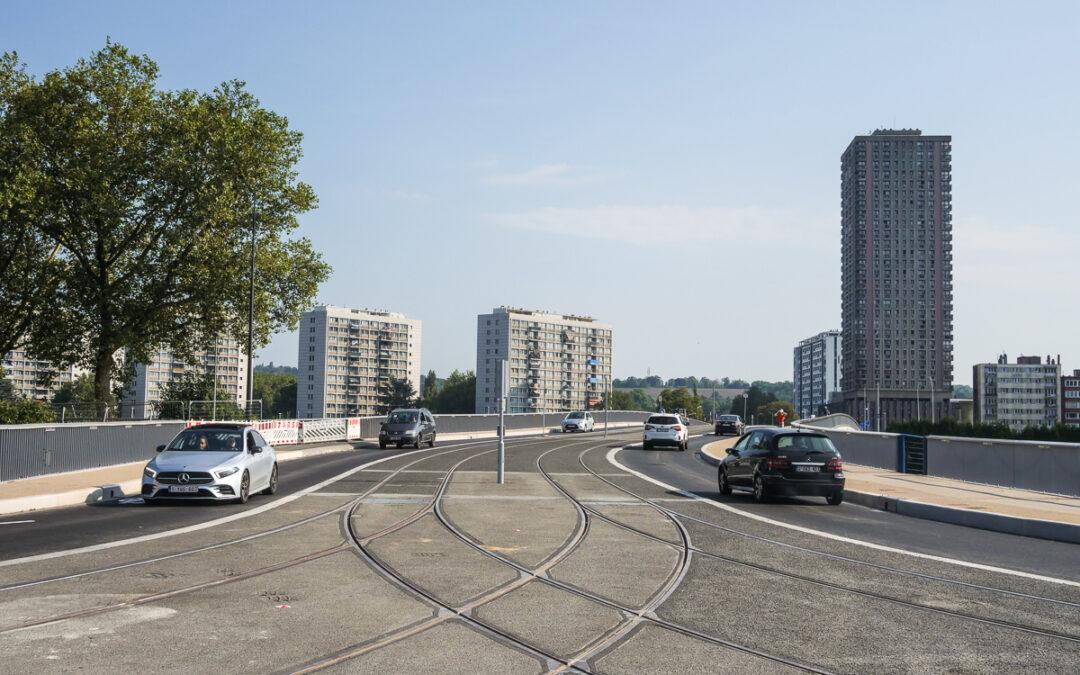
(251, 326)
(504, 388)
(607, 408)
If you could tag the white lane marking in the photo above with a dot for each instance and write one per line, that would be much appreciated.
(16, 522)
(836, 537)
(220, 521)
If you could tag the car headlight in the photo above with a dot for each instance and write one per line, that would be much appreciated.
(227, 472)
(149, 472)
(410, 432)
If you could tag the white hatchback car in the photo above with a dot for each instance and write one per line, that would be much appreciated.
(578, 421)
(225, 462)
(665, 429)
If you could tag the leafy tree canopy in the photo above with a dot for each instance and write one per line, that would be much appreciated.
(397, 393)
(457, 394)
(137, 206)
(277, 391)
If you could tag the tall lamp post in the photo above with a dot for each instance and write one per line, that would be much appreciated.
(745, 404)
(251, 327)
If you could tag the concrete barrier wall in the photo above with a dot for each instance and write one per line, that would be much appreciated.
(1030, 465)
(40, 449)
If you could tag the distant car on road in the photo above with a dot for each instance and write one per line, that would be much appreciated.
(408, 426)
(225, 462)
(578, 421)
(728, 424)
(783, 462)
(666, 429)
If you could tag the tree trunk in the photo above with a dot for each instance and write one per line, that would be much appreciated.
(103, 367)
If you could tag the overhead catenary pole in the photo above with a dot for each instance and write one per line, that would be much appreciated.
(607, 407)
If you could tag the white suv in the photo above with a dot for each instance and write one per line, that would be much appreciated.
(578, 421)
(665, 429)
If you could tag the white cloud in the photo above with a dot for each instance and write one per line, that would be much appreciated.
(542, 175)
(647, 225)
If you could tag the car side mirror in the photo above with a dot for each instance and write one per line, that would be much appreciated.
(161, 448)
(255, 449)
(733, 452)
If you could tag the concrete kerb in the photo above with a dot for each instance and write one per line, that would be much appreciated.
(996, 522)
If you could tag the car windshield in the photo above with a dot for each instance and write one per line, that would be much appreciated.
(729, 418)
(208, 440)
(575, 416)
(805, 442)
(402, 417)
(663, 419)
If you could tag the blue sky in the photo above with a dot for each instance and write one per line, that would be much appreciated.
(650, 164)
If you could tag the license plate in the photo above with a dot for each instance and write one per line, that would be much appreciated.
(807, 469)
(184, 488)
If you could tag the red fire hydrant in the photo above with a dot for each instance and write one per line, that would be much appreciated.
(780, 417)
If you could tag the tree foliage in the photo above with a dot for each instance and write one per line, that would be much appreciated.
(429, 389)
(79, 390)
(277, 391)
(766, 413)
(146, 200)
(25, 411)
(681, 399)
(397, 393)
(952, 427)
(178, 395)
(457, 394)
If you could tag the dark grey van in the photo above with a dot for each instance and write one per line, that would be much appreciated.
(408, 426)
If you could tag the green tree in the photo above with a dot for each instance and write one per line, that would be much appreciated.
(277, 391)
(7, 389)
(430, 389)
(962, 391)
(29, 264)
(765, 413)
(757, 397)
(25, 411)
(150, 199)
(178, 394)
(458, 394)
(681, 399)
(397, 393)
(79, 390)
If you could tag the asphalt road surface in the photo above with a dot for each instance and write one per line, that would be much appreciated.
(591, 558)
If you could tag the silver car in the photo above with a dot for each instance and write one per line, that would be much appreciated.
(225, 462)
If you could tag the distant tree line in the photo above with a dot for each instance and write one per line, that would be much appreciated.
(951, 427)
(454, 395)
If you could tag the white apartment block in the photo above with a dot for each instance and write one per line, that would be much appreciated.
(225, 361)
(557, 361)
(817, 372)
(347, 355)
(34, 378)
(1021, 394)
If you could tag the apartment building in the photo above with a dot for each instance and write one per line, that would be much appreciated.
(817, 372)
(897, 276)
(34, 378)
(347, 356)
(557, 362)
(225, 360)
(1070, 398)
(1021, 394)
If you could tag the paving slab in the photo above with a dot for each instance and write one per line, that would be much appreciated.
(451, 648)
(287, 514)
(250, 625)
(529, 529)
(430, 556)
(641, 517)
(655, 649)
(556, 621)
(618, 565)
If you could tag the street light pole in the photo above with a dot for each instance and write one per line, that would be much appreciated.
(745, 403)
(251, 326)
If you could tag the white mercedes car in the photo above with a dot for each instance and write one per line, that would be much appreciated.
(666, 429)
(225, 462)
(578, 421)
